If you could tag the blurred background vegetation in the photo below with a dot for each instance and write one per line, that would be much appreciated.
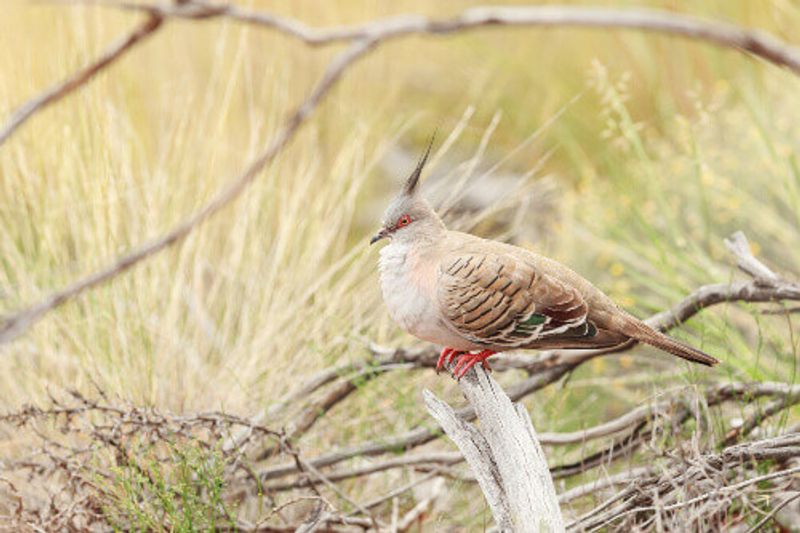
(635, 155)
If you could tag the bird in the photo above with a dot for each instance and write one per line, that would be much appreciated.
(478, 297)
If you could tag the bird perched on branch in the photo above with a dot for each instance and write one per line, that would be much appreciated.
(478, 297)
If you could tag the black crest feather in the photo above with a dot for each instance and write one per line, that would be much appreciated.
(413, 179)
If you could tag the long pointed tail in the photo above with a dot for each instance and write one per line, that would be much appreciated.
(643, 333)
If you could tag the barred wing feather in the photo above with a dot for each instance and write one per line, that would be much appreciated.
(495, 299)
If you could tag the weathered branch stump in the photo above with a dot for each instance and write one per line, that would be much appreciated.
(503, 453)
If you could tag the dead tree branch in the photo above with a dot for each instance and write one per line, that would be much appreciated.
(755, 42)
(504, 454)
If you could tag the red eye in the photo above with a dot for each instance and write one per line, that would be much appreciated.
(404, 220)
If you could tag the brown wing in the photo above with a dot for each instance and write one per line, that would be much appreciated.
(496, 299)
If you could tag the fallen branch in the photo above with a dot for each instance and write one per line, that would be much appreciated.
(738, 246)
(435, 460)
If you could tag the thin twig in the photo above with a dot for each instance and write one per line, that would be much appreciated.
(707, 495)
(440, 459)
(688, 472)
(81, 77)
(775, 510)
(593, 487)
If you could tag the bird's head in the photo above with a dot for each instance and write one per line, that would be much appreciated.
(409, 217)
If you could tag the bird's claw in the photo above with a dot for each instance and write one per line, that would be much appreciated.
(445, 352)
(448, 354)
(468, 360)
(465, 361)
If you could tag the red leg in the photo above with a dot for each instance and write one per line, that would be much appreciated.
(468, 360)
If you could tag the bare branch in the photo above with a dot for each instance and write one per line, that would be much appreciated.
(318, 408)
(755, 42)
(781, 311)
(597, 485)
(737, 244)
(707, 495)
(81, 77)
(631, 420)
(478, 453)
(441, 459)
(616, 425)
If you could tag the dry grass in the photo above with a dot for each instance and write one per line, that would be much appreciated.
(651, 173)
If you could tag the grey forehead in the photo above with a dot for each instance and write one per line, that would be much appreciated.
(395, 207)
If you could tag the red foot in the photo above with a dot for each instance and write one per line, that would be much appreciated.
(468, 360)
(447, 354)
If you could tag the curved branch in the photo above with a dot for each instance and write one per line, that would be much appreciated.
(364, 38)
(755, 42)
(81, 77)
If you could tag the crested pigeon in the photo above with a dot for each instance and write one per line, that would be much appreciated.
(478, 297)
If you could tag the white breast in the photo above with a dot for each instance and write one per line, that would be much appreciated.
(407, 282)
(401, 283)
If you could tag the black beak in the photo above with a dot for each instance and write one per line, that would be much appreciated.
(382, 234)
